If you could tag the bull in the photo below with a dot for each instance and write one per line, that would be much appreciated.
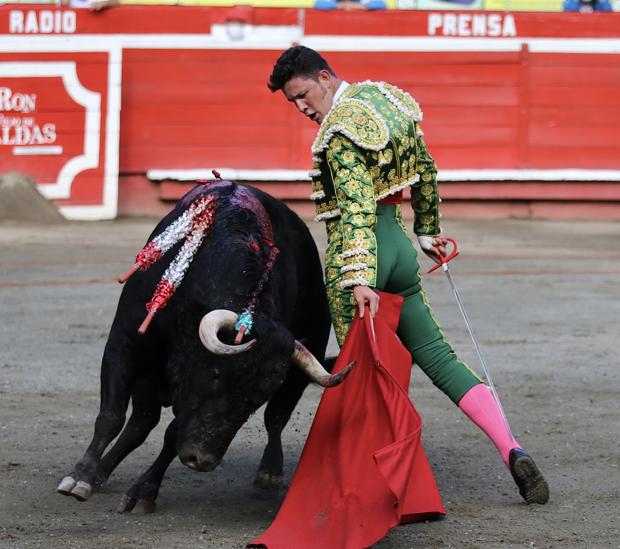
(189, 357)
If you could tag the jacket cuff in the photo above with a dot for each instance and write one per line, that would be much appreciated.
(358, 265)
(353, 278)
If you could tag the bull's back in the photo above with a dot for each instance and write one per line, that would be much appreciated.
(297, 278)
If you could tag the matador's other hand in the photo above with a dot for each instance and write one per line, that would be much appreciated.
(364, 295)
(433, 246)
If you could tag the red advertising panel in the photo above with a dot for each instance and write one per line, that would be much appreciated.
(464, 24)
(54, 126)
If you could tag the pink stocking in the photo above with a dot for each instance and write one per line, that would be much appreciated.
(479, 405)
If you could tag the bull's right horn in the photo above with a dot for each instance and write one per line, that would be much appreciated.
(314, 369)
(215, 321)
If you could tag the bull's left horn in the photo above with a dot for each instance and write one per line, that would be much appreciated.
(314, 369)
(211, 324)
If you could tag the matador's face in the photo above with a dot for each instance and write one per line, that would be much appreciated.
(312, 97)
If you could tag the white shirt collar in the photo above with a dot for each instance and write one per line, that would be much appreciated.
(343, 86)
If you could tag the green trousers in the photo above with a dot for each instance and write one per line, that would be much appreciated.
(398, 273)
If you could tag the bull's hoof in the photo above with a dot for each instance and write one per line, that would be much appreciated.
(82, 490)
(79, 489)
(128, 504)
(268, 481)
(66, 485)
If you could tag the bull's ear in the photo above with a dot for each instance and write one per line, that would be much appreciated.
(275, 338)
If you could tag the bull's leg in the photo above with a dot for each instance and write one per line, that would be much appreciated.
(315, 324)
(146, 411)
(146, 489)
(117, 372)
(277, 414)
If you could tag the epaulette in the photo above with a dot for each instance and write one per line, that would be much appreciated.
(401, 100)
(358, 121)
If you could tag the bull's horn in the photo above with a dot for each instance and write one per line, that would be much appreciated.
(211, 324)
(314, 369)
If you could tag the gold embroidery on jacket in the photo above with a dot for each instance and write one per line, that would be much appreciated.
(368, 147)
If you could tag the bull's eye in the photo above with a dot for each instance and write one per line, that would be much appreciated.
(216, 374)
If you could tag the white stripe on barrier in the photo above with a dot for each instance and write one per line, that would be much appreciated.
(276, 40)
(442, 175)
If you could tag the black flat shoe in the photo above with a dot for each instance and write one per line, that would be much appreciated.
(532, 485)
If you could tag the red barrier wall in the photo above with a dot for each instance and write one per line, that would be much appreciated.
(499, 96)
(482, 110)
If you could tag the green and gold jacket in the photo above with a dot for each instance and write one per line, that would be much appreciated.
(368, 147)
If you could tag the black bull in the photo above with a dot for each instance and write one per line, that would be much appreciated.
(212, 395)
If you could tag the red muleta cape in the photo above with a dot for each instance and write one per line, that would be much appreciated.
(363, 469)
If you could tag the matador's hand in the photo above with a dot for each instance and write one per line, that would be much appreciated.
(433, 246)
(363, 295)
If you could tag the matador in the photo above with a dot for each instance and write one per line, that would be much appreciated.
(368, 149)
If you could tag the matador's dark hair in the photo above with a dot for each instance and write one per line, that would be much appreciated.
(297, 61)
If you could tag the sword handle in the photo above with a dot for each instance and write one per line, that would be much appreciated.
(446, 258)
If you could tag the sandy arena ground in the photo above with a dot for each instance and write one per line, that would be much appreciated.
(544, 298)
